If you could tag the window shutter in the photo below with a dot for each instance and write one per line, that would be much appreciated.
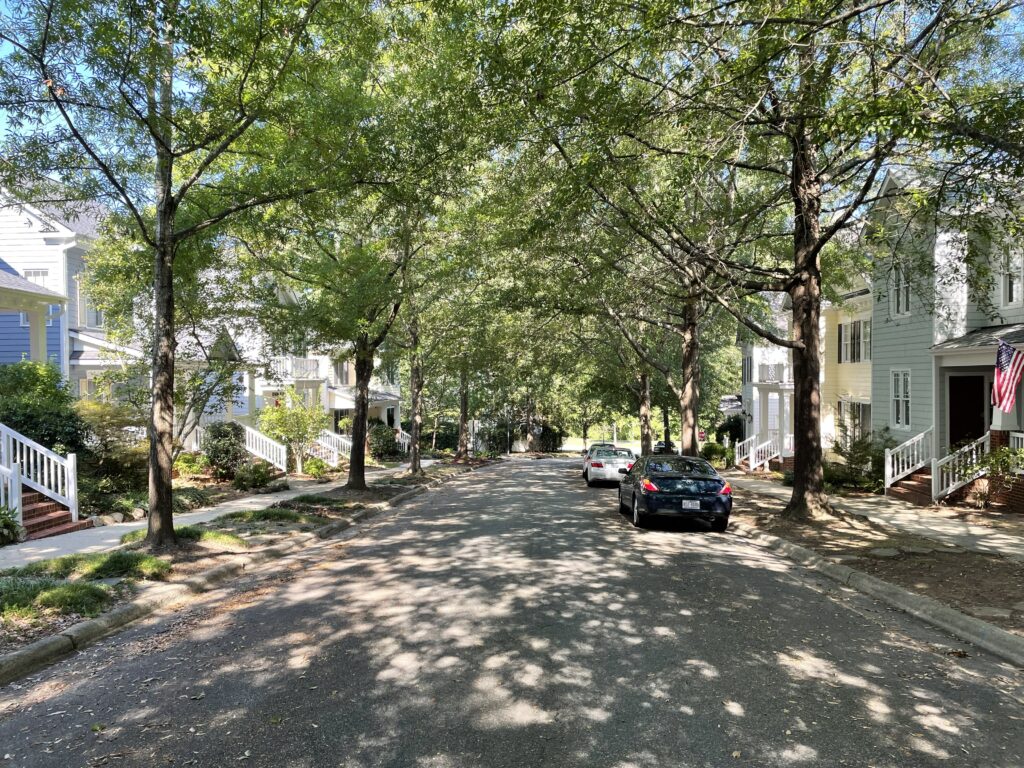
(839, 346)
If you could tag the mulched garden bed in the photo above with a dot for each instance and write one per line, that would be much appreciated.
(987, 586)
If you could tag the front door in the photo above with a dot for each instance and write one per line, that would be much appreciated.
(967, 406)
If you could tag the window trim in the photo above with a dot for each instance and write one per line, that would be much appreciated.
(908, 398)
(83, 312)
(1009, 271)
(900, 285)
(34, 278)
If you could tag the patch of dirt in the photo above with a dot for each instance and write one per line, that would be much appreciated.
(967, 581)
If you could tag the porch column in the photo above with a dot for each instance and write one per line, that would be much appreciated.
(1005, 422)
(251, 393)
(37, 335)
(761, 427)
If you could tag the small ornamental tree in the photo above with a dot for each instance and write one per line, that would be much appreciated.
(294, 423)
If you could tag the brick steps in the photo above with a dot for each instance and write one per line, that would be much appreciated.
(44, 517)
(915, 488)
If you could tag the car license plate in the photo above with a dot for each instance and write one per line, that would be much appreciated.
(690, 504)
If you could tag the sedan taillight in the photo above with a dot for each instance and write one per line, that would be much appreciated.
(647, 485)
(726, 490)
(629, 466)
(596, 465)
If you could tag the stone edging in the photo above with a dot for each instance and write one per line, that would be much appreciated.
(46, 650)
(993, 639)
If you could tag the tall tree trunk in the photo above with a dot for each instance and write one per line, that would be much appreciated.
(666, 426)
(689, 395)
(433, 436)
(161, 428)
(463, 451)
(364, 372)
(416, 396)
(646, 433)
(586, 431)
(809, 498)
(529, 424)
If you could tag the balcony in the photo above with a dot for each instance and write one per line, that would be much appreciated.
(773, 373)
(295, 368)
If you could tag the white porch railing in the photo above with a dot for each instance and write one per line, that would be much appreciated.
(10, 490)
(958, 469)
(339, 443)
(744, 450)
(265, 448)
(325, 452)
(42, 470)
(295, 367)
(764, 453)
(908, 457)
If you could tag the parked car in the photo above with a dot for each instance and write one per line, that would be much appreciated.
(605, 463)
(675, 486)
(662, 447)
(586, 454)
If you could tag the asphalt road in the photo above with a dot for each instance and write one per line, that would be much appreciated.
(513, 618)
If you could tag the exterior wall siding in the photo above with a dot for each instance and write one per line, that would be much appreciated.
(902, 343)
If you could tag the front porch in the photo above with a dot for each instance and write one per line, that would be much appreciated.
(940, 463)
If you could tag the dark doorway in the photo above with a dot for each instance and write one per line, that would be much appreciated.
(966, 408)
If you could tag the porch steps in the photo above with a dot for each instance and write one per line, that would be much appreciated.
(43, 517)
(915, 488)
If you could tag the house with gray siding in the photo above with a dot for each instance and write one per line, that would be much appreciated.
(934, 348)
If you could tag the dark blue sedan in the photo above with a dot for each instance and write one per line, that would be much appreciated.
(675, 486)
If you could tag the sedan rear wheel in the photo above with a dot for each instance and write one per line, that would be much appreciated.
(590, 481)
(638, 518)
(719, 524)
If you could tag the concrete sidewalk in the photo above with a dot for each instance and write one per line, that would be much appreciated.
(109, 536)
(920, 521)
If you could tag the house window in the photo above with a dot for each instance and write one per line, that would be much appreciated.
(89, 315)
(855, 421)
(855, 341)
(899, 392)
(748, 369)
(39, 277)
(1013, 284)
(900, 289)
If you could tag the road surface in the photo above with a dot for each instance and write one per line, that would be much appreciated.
(514, 618)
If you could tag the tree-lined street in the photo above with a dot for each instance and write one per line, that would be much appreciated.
(513, 618)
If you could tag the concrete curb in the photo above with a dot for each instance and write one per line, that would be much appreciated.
(993, 639)
(46, 650)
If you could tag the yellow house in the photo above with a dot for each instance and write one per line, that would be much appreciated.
(846, 369)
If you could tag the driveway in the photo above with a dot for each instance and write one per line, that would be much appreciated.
(513, 618)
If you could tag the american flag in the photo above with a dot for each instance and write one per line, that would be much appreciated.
(1009, 364)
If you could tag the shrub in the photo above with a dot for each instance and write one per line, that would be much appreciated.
(550, 439)
(787, 478)
(190, 465)
(864, 457)
(713, 452)
(21, 591)
(255, 475)
(34, 400)
(267, 516)
(383, 445)
(315, 468)
(224, 446)
(10, 529)
(345, 425)
(732, 427)
(189, 498)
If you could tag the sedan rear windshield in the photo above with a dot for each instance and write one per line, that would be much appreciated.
(619, 453)
(680, 464)
(689, 485)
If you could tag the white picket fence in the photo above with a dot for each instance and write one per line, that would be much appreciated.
(10, 490)
(908, 457)
(959, 468)
(41, 469)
